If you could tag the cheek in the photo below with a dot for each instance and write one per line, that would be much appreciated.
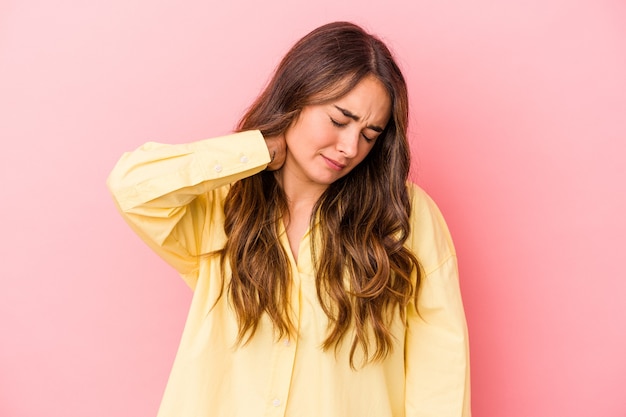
(365, 150)
(293, 135)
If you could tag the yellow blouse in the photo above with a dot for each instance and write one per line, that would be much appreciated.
(172, 196)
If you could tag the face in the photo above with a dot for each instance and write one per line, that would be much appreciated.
(328, 140)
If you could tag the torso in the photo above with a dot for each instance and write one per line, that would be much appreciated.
(297, 224)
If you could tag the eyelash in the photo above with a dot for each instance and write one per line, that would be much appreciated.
(337, 124)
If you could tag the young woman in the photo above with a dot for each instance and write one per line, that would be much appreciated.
(324, 283)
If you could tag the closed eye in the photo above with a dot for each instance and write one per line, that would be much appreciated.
(336, 123)
(339, 124)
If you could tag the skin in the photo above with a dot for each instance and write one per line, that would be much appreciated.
(323, 144)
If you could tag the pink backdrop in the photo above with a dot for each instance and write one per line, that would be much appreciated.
(519, 132)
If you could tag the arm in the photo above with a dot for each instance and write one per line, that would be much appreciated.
(168, 193)
(436, 345)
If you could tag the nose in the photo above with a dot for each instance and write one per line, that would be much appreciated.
(348, 143)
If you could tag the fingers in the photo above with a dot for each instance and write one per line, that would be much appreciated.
(278, 151)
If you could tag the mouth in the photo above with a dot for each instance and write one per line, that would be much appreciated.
(337, 166)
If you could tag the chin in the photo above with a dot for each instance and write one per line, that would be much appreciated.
(328, 181)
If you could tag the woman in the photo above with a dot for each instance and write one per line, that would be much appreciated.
(324, 283)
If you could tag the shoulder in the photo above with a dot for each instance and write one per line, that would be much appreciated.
(429, 237)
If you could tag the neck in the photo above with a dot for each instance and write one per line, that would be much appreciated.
(301, 198)
(299, 192)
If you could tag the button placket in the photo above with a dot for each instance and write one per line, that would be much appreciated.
(284, 360)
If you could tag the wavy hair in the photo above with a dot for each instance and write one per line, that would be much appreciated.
(363, 270)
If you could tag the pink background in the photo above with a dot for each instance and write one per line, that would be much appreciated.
(519, 132)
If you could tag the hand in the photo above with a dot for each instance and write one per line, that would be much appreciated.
(278, 151)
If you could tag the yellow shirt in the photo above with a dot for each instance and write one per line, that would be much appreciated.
(172, 196)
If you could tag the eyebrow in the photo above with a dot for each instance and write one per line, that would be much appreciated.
(356, 118)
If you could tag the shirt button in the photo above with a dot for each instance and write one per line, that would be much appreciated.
(218, 168)
(275, 402)
(244, 159)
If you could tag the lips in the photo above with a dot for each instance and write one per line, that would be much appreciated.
(336, 165)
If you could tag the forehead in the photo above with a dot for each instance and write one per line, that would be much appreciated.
(369, 99)
(340, 88)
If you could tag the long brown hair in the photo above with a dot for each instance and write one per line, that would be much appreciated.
(363, 270)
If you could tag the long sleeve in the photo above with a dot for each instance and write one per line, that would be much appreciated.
(436, 344)
(169, 193)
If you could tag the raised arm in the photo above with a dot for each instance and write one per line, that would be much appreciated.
(170, 194)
